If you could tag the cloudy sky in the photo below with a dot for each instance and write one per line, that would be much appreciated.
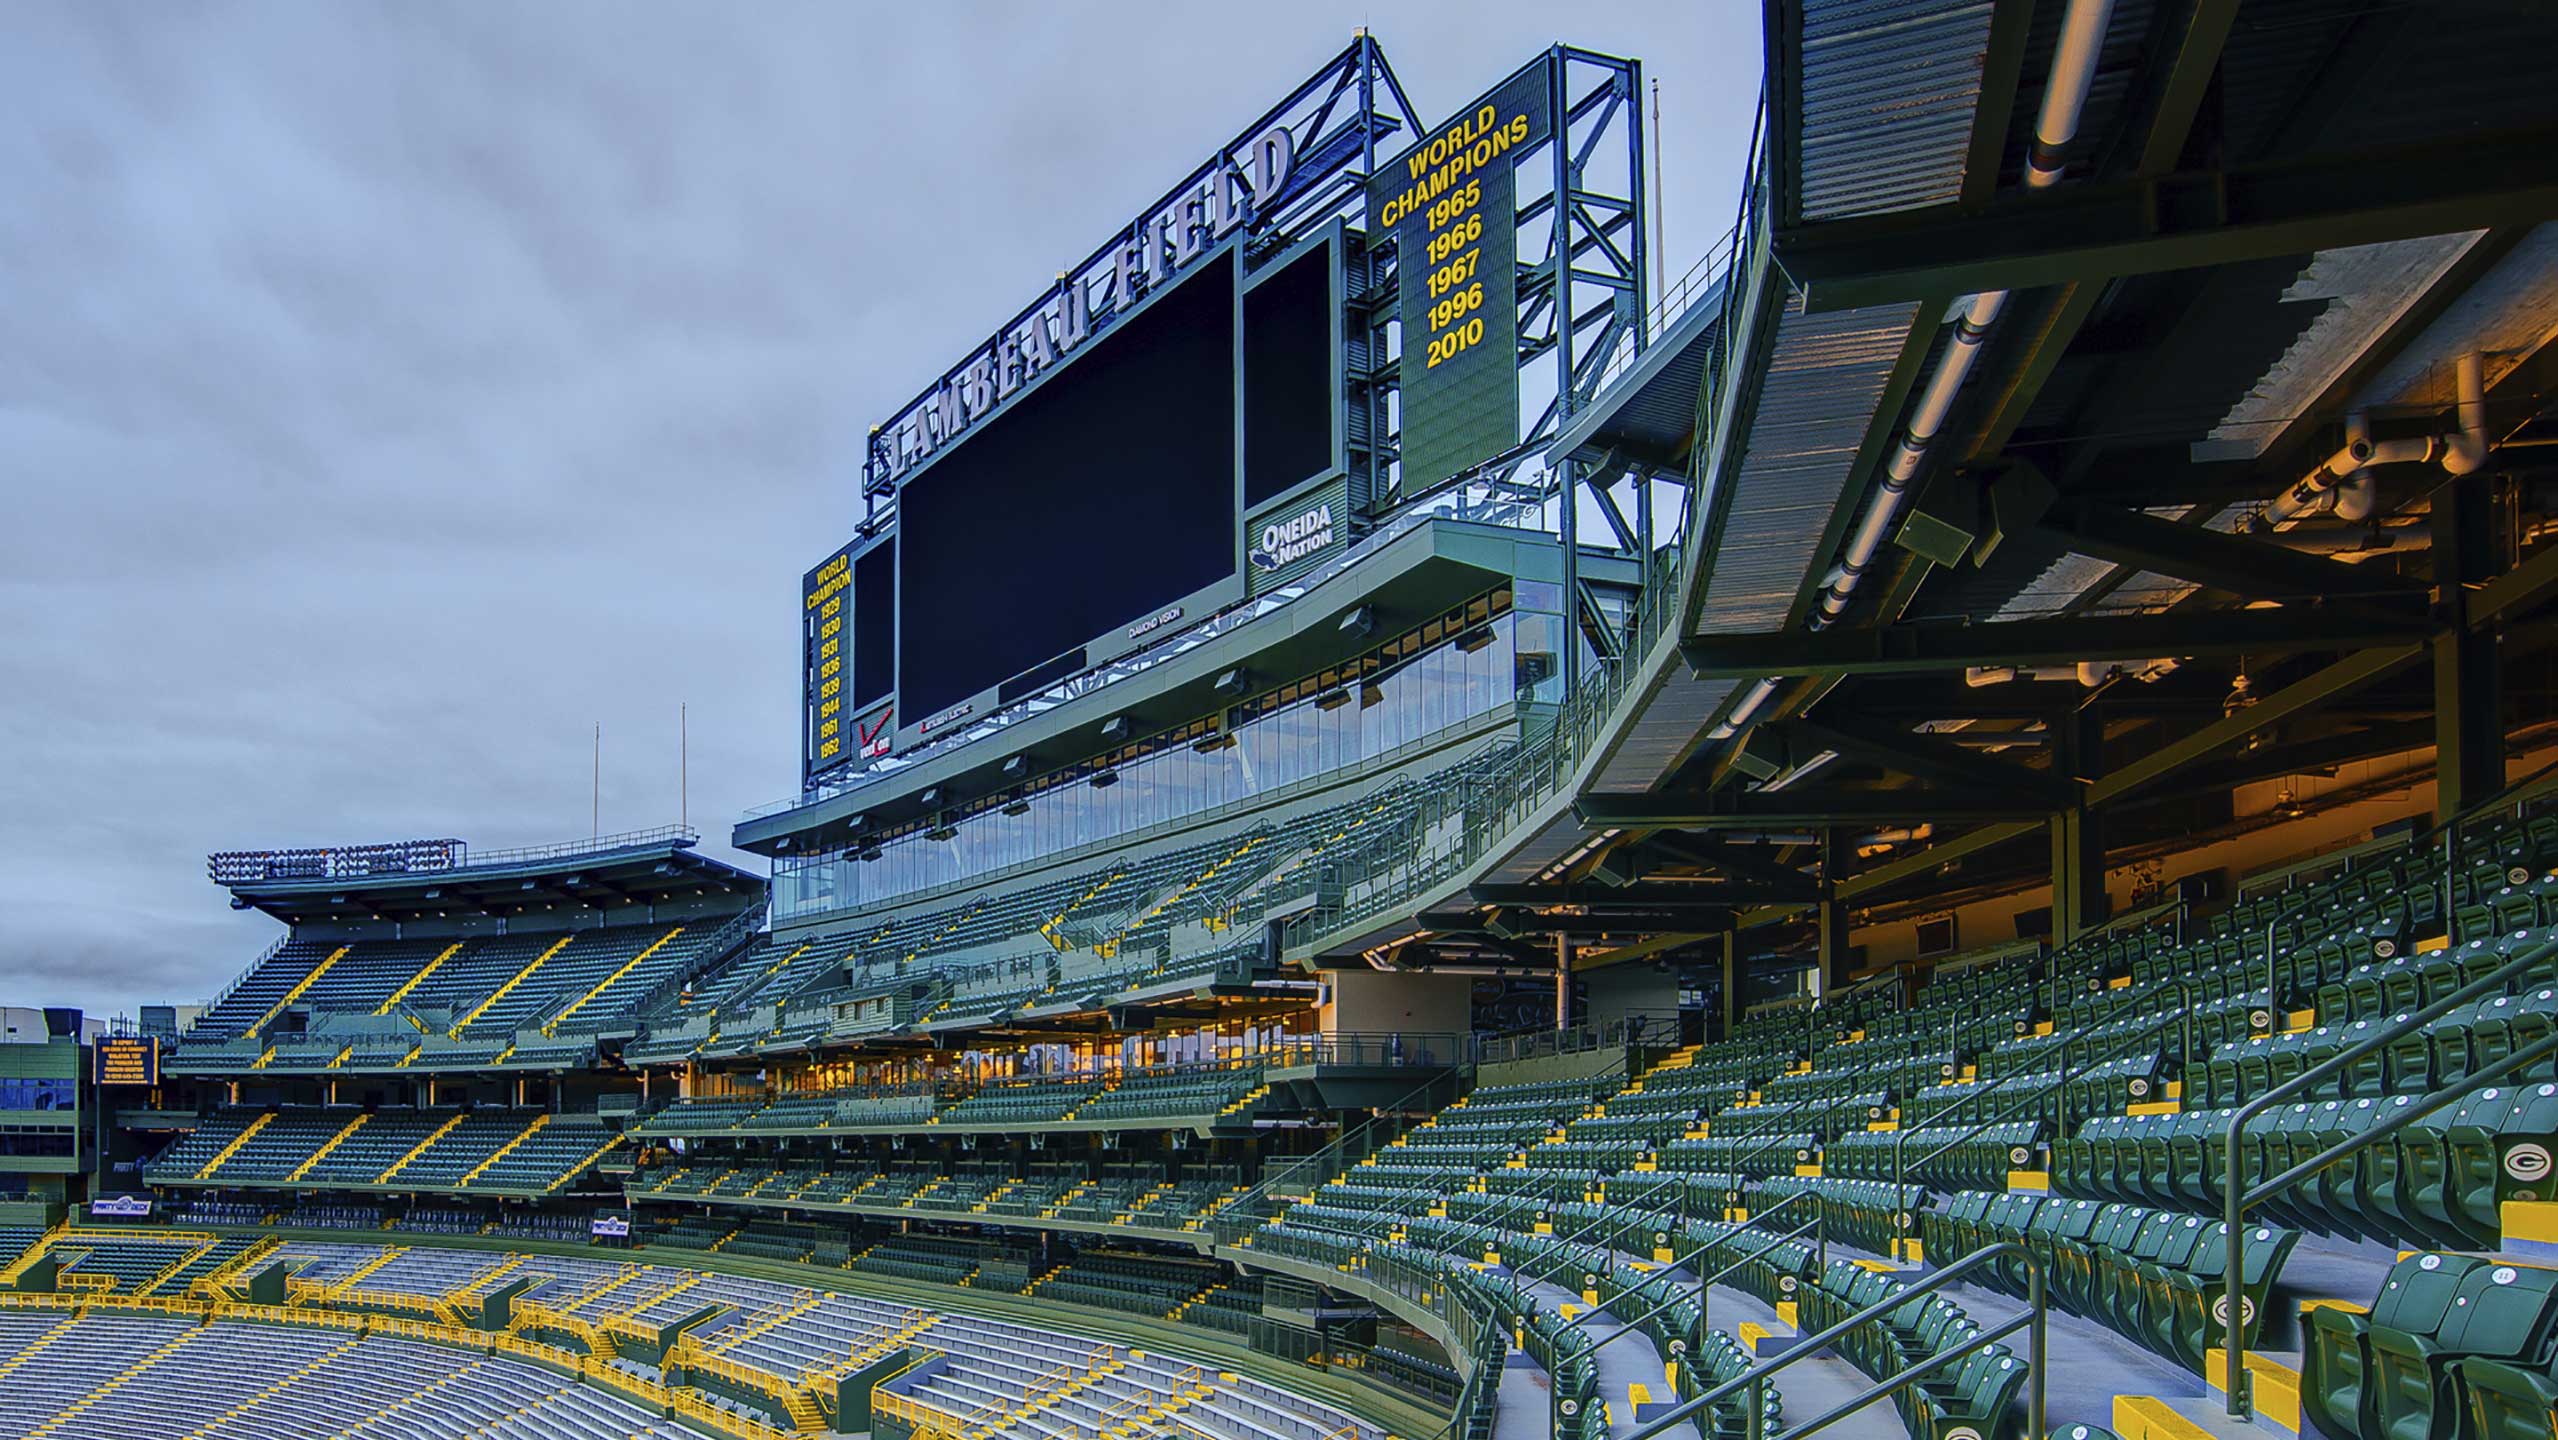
(391, 393)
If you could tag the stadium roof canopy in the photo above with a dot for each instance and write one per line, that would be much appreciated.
(2081, 411)
(420, 879)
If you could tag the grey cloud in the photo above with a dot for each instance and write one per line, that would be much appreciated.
(390, 392)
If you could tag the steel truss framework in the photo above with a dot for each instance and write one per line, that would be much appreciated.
(2353, 662)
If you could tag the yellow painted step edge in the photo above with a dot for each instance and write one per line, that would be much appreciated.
(2140, 1417)
(2276, 1385)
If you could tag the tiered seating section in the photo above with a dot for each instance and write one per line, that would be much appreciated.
(1043, 1195)
(1195, 1095)
(371, 1006)
(2076, 1106)
(141, 1376)
(1163, 920)
(487, 1151)
(117, 1377)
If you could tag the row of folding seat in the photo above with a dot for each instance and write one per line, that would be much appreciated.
(2453, 1345)
(1949, 1158)
(2461, 1043)
(2156, 1277)
(1974, 1393)
(2442, 1179)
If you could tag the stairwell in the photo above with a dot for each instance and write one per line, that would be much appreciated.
(414, 981)
(777, 1319)
(299, 986)
(348, 1283)
(501, 992)
(212, 1280)
(1037, 1402)
(502, 1151)
(118, 1381)
(222, 1156)
(36, 1346)
(334, 1142)
(173, 1267)
(607, 983)
(328, 1357)
(420, 1148)
(572, 1172)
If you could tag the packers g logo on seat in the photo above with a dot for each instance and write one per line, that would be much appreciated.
(2528, 1162)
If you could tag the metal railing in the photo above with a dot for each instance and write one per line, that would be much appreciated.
(1538, 1042)
(250, 969)
(739, 930)
(1755, 1379)
(1241, 1216)
(2236, 1202)
(2183, 1019)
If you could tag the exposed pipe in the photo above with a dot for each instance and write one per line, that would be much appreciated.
(2065, 93)
(2090, 673)
(2056, 125)
(2343, 483)
(1934, 405)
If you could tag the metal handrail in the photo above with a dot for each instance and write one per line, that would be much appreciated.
(1819, 1224)
(1536, 1194)
(2031, 1321)
(1584, 1228)
(1900, 1141)
(1387, 1115)
(2234, 1202)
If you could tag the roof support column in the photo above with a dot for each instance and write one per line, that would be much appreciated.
(1832, 913)
(2469, 731)
(1562, 981)
(2077, 830)
(1731, 998)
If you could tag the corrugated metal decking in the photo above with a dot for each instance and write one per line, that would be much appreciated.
(1889, 89)
(1823, 382)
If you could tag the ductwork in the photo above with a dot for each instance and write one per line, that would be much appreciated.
(2343, 484)
(2074, 59)
(2090, 673)
(2065, 94)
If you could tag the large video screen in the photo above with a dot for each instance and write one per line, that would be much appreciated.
(1101, 496)
(1289, 402)
(874, 623)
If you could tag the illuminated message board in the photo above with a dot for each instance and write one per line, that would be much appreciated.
(128, 1060)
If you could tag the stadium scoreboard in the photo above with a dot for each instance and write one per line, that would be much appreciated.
(127, 1060)
(1194, 415)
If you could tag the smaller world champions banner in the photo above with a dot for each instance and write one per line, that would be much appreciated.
(1451, 204)
(822, 594)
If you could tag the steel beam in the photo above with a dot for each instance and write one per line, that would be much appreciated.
(2199, 34)
(2078, 831)
(1944, 852)
(1773, 880)
(1909, 649)
(1643, 895)
(1728, 810)
(2254, 569)
(2517, 591)
(1926, 758)
(1830, 915)
(2469, 729)
(2105, 229)
(2342, 678)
